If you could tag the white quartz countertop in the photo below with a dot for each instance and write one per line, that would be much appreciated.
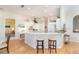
(42, 33)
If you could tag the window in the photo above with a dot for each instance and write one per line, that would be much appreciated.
(76, 23)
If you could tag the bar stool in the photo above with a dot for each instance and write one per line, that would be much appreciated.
(40, 45)
(52, 45)
(66, 38)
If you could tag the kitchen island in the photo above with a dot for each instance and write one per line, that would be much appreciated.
(31, 38)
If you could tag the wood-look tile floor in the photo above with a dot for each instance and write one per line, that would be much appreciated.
(19, 47)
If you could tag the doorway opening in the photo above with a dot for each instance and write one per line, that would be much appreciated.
(10, 29)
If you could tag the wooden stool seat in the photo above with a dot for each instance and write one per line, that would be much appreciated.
(52, 45)
(40, 45)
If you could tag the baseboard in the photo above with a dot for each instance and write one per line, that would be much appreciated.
(74, 40)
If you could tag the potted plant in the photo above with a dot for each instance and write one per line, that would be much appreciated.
(61, 31)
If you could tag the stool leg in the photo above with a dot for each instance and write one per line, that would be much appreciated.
(37, 46)
(55, 47)
(48, 45)
(50, 49)
(8, 49)
(55, 50)
(37, 49)
(42, 46)
(43, 49)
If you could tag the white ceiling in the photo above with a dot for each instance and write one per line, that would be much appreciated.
(33, 10)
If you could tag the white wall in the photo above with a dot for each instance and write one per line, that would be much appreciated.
(2, 27)
(67, 13)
